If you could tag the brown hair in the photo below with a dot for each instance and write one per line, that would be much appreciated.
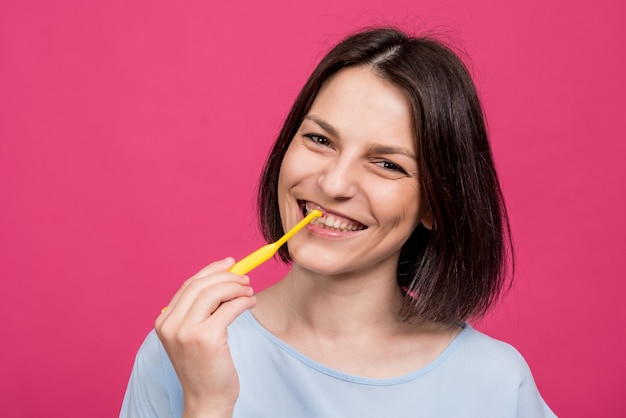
(458, 269)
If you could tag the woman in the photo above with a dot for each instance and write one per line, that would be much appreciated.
(388, 140)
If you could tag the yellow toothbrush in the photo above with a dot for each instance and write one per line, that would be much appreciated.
(266, 252)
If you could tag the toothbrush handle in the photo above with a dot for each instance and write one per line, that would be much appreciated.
(251, 261)
(255, 259)
(266, 252)
(314, 214)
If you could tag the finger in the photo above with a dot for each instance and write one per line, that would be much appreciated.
(219, 265)
(213, 268)
(208, 300)
(204, 286)
(201, 308)
(226, 313)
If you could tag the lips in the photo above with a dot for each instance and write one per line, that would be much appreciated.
(331, 220)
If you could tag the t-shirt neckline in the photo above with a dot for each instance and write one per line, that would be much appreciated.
(355, 378)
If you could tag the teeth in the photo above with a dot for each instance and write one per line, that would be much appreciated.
(329, 221)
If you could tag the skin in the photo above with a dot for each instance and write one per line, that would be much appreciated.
(355, 156)
(193, 332)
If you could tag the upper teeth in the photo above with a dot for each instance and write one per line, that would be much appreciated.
(330, 221)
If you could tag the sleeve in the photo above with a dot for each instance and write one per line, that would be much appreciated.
(530, 404)
(151, 390)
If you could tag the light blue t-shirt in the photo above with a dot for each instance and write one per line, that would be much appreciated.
(475, 377)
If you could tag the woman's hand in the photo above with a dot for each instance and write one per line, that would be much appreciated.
(193, 332)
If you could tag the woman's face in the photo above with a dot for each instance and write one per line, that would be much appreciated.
(355, 158)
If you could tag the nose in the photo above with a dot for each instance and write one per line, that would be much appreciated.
(339, 178)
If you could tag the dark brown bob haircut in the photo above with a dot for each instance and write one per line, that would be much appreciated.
(457, 270)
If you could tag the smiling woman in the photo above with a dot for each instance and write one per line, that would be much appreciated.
(388, 140)
(351, 158)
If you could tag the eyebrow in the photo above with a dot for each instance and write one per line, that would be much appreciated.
(390, 150)
(324, 125)
(375, 148)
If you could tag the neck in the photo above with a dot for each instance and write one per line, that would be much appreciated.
(349, 323)
(340, 305)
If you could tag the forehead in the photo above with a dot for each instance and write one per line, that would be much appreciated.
(360, 104)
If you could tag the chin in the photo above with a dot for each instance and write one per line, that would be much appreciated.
(319, 263)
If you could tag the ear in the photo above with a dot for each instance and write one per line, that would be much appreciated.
(427, 220)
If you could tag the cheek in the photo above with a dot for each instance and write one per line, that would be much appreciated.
(292, 170)
(295, 166)
(286, 171)
(400, 206)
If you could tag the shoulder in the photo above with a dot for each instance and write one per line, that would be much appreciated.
(151, 356)
(492, 354)
(495, 370)
(486, 365)
(153, 359)
(153, 388)
(151, 348)
(483, 345)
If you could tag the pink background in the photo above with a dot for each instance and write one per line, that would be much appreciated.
(131, 138)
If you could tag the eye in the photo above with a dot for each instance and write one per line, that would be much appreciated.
(318, 139)
(389, 166)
